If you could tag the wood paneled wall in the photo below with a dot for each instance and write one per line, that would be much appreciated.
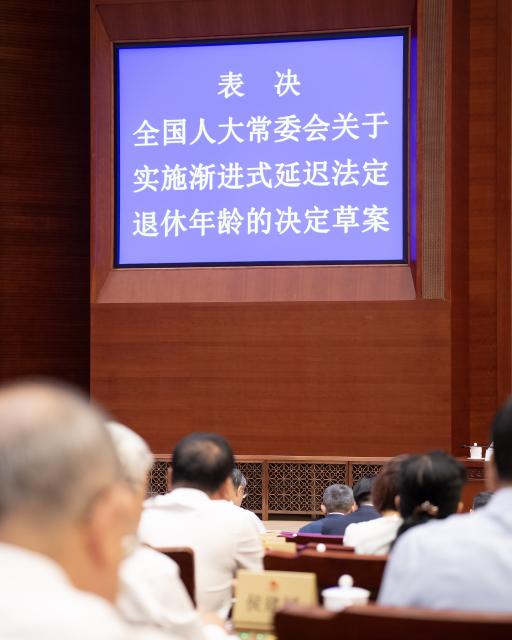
(44, 219)
(340, 377)
(337, 378)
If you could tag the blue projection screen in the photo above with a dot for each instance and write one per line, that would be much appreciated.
(262, 152)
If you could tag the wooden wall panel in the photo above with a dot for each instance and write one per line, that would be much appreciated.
(316, 378)
(482, 218)
(346, 378)
(294, 379)
(44, 219)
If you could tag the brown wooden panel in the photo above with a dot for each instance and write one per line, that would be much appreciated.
(482, 218)
(457, 223)
(139, 20)
(360, 378)
(344, 379)
(44, 220)
(503, 189)
(259, 284)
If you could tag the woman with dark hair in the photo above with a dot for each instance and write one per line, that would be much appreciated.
(430, 487)
(376, 536)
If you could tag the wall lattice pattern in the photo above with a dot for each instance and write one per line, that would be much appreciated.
(253, 471)
(282, 487)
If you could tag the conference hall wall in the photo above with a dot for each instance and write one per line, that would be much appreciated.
(327, 360)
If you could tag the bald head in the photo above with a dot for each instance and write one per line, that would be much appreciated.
(55, 453)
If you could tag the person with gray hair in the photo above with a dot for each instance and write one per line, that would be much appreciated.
(64, 511)
(151, 591)
(337, 502)
(240, 487)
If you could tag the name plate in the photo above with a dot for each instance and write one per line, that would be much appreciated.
(259, 594)
(282, 547)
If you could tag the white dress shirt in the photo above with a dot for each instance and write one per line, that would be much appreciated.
(373, 537)
(38, 602)
(151, 592)
(259, 524)
(463, 562)
(224, 538)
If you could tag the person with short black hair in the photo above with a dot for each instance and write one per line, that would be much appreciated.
(202, 461)
(376, 536)
(198, 513)
(460, 561)
(365, 510)
(151, 591)
(337, 502)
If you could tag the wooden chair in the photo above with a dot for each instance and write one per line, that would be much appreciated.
(393, 623)
(306, 538)
(184, 558)
(367, 571)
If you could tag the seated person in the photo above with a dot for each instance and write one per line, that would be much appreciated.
(240, 486)
(375, 536)
(63, 514)
(337, 502)
(198, 513)
(151, 591)
(462, 561)
(365, 510)
(481, 499)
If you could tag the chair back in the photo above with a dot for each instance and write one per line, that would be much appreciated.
(329, 566)
(184, 558)
(398, 623)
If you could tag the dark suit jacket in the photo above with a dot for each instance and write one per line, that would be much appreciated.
(318, 525)
(336, 527)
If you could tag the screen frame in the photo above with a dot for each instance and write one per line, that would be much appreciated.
(349, 34)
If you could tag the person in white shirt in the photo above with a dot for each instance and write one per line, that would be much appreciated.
(375, 537)
(198, 513)
(151, 590)
(240, 486)
(64, 512)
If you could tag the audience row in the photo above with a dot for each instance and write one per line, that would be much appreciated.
(78, 539)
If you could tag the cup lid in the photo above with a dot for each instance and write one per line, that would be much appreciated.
(346, 590)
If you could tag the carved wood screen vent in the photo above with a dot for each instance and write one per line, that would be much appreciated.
(277, 486)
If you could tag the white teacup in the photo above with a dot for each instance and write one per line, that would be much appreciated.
(345, 595)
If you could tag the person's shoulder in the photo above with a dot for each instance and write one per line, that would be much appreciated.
(158, 501)
(312, 527)
(436, 535)
(227, 509)
(151, 561)
(355, 529)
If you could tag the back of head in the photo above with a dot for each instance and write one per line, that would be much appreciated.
(430, 487)
(202, 461)
(501, 431)
(363, 490)
(239, 480)
(338, 498)
(55, 453)
(134, 455)
(386, 486)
